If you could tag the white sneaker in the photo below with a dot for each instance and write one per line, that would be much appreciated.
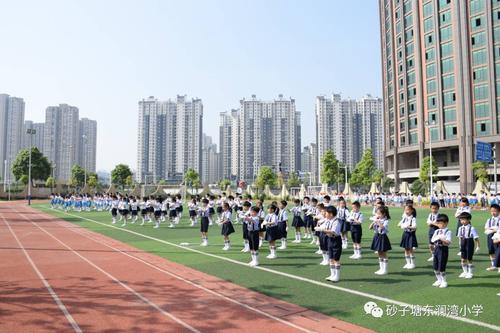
(352, 257)
(406, 266)
(462, 275)
(319, 252)
(489, 269)
(124, 224)
(430, 259)
(468, 276)
(271, 256)
(282, 247)
(324, 263)
(225, 248)
(296, 241)
(379, 272)
(156, 226)
(437, 283)
(204, 243)
(142, 223)
(313, 242)
(459, 253)
(114, 222)
(443, 284)
(411, 266)
(317, 242)
(344, 246)
(171, 226)
(252, 263)
(330, 278)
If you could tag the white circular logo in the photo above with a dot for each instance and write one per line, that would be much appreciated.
(373, 309)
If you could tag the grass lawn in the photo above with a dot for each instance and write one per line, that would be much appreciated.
(410, 287)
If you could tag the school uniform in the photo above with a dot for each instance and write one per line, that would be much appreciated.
(211, 209)
(459, 211)
(334, 242)
(308, 220)
(114, 208)
(380, 241)
(179, 207)
(242, 215)
(282, 223)
(497, 249)
(157, 209)
(323, 243)
(311, 213)
(342, 216)
(172, 210)
(440, 253)
(227, 226)
(204, 212)
(432, 228)
(356, 229)
(490, 227)
(409, 237)
(253, 233)
(467, 234)
(192, 209)
(272, 231)
(134, 208)
(297, 218)
(261, 220)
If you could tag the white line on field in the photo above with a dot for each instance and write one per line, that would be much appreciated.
(51, 291)
(291, 276)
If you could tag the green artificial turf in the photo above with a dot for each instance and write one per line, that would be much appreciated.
(412, 287)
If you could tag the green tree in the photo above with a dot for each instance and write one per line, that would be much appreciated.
(50, 182)
(293, 180)
(419, 187)
(386, 183)
(129, 181)
(266, 176)
(92, 180)
(224, 183)
(192, 179)
(24, 179)
(120, 174)
(480, 170)
(425, 169)
(378, 176)
(363, 173)
(162, 182)
(329, 168)
(280, 180)
(77, 175)
(40, 166)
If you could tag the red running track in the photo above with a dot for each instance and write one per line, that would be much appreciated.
(58, 277)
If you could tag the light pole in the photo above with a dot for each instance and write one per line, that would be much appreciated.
(429, 124)
(84, 137)
(345, 173)
(5, 176)
(30, 132)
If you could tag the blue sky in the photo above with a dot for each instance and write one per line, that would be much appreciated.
(104, 56)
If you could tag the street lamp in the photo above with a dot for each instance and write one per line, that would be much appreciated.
(30, 132)
(345, 168)
(428, 124)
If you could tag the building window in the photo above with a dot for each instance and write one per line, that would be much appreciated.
(428, 40)
(412, 123)
(413, 108)
(476, 22)
(450, 132)
(402, 126)
(496, 16)
(409, 49)
(430, 70)
(450, 115)
(479, 39)
(431, 102)
(429, 54)
(481, 92)
(482, 128)
(432, 117)
(482, 110)
(476, 6)
(411, 78)
(408, 20)
(447, 66)
(446, 50)
(428, 24)
(445, 17)
(428, 9)
(448, 82)
(403, 140)
(479, 57)
(448, 98)
(434, 133)
(445, 33)
(409, 63)
(413, 138)
(444, 3)
(431, 86)
(480, 74)
(496, 33)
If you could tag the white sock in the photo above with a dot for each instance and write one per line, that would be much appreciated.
(443, 276)
(469, 268)
(438, 276)
(333, 271)
(464, 268)
(412, 260)
(492, 262)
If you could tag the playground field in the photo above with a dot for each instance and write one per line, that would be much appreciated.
(407, 300)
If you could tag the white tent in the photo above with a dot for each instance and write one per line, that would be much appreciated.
(404, 188)
(481, 187)
(440, 187)
(374, 188)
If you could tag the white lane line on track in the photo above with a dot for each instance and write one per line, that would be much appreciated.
(51, 291)
(84, 234)
(138, 295)
(291, 276)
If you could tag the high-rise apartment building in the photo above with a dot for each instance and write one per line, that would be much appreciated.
(88, 144)
(441, 66)
(37, 139)
(229, 134)
(210, 161)
(11, 129)
(62, 139)
(309, 164)
(348, 127)
(169, 138)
